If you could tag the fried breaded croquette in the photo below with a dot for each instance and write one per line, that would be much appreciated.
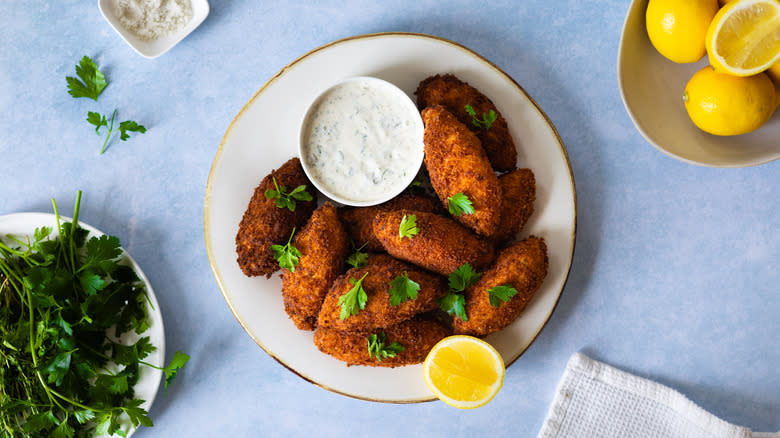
(458, 164)
(518, 189)
(323, 244)
(417, 336)
(523, 266)
(264, 224)
(359, 220)
(440, 245)
(454, 94)
(379, 312)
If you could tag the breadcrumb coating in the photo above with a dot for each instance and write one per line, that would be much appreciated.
(264, 224)
(324, 245)
(454, 94)
(522, 265)
(417, 336)
(441, 245)
(382, 269)
(456, 164)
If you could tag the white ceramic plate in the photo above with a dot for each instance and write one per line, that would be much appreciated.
(154, 48)
(21, 225)
(652, 87)
(255, 143)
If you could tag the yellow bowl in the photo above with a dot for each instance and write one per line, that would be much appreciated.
(652, 87)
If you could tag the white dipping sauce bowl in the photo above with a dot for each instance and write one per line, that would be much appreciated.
(381, 169)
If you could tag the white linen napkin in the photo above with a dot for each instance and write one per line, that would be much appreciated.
(595, 400)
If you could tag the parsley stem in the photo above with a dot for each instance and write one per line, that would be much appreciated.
(110, 129)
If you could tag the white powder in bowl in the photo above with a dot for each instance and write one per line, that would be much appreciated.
(152, 19)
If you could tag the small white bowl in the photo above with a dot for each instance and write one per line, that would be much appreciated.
(652, 87)
(154, 48)
(378, 192)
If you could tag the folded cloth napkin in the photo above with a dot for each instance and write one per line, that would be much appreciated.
(595, 400)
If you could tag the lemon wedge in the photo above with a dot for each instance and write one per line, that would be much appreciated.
(464, 372)
(744, 37)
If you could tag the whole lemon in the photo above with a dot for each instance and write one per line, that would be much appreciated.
(722, 104)
(677, 27)
(774, 73)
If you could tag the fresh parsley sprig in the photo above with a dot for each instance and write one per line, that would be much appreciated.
(463, 277)
(100, 121)
(499, 294)
(287, 255)
(402, 289)
(459, 204)
(283, 199)
(459, 280)
(358, 258)
(487, 118)
(353, 301)
(378, 350)
(408, 227)
(454, 304)
(92, 80)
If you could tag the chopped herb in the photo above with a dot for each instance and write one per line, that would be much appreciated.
(283, 199)
(378, 349)
(408, 227)
(358, 259)
(454, 304)
(487, 118)
(100, 121)
(92, 80)
(353, 301)
(459, 204)
(463, 277)
(287, 255)
(402, 288)
(501, 293)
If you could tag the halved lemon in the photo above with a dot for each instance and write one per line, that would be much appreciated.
(464, 372)
(744, 37)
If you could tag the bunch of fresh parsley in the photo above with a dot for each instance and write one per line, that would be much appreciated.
(64, 301)
(90, 84)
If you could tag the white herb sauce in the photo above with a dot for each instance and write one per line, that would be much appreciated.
(362, 140)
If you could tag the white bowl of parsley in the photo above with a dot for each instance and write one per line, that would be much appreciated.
(83, 342)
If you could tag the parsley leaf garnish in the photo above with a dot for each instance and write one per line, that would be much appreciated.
(283, 199)
(353, 301)
(378, 349)
(487, 118)
(454, 304)
(287, 255)
(358, 259)
(177, 362)
(459, 204)
(402, 288)
(100, 120)
(463, 277)
(408, 227)
(92, 80)
(501, 293)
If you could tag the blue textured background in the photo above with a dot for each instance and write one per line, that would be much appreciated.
(675, 275)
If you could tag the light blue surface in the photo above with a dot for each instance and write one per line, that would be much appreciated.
(675, 275)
